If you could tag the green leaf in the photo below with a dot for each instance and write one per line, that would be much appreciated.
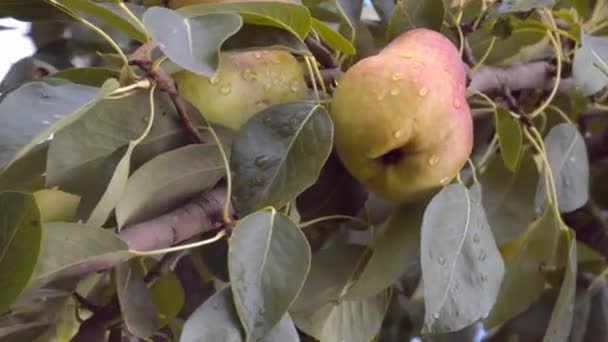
(510, 137)
(66, 246)
(461, 266)
(279, 153)
(215, 320)
(593, 50)
(23, 331)
(169, 297)
(91, 154)
(20, 235)
(91, 76)
(291, 17)
(101, 13)
(31, 108)
(524, 44)
(567, 155)
(335, 192)
(330, 271)
(265, 37)
(508, 197)
(27, 172)
(396, 246)
(25, 70)
(173, 177)
(136, 302)
(192, 43)
(350, 14)
(563, 312)
(509, 6)
(526, 259)
(411, 14)
(268, 261)
(332, 38)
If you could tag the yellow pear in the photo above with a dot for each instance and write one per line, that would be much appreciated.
(402, 124)
(246, 83)
(56, 205)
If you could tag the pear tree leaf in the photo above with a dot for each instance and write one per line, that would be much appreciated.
(104, 14)
(461, 266)
(268, 261)
(252, 37)
(26, 172)
(510, 137)
(136, 302)
(291, 17)
(94, 152)
(563, 311)
(91, 76)
(567, 155)
(333, 39)
(597, 329)
(522, 44)
(593, 51)
(30, 10)
(170, 178)
(330, 272)
(508, 197)
(349, 13)
(167, 292)
(30, 113)
(216, 320)
(192, 43)
(394, 248)
(527, 258)
(66, 246)
(411, 14)
(20, 236)
(279, 153)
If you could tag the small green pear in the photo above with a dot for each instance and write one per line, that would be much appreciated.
(246, 83)
(56, 205)
(402, 124)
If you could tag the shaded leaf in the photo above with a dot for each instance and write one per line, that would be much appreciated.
(394, 248)
(525, 259)
(215, 320)
(567, 155)
(411, 14)
(167, 180)
(91, 76)
(268, 261)
(257, 36)
(192, 43)
(508, 197)
(510, 137)
(586, 75)
(30, 10)
(597, 329)
(461, 267)
(66, 246)
(335, 192)
(24, 70)
(20, 235)
(278, 154)
(26, 172)
(136, 302)
(291, 17)
(563, 311)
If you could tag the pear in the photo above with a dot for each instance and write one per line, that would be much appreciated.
(246, 83)
(56, 205)
(402, 124)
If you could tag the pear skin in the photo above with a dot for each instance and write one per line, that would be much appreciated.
(402, 124)
(246, 83)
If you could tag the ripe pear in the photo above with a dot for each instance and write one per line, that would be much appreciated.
(246, 83)
(402, 124)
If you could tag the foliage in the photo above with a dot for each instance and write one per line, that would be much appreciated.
(122, 206)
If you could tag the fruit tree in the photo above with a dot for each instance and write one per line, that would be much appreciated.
(306, 170)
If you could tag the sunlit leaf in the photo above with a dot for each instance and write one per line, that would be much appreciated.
(332, 38)
(411, 14)
(510, 137)
(587, 77)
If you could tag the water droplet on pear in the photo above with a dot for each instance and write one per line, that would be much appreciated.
(225, 89)
(395, 91)
(457, 104)
(294, 86)
(214, 80)
(423, 91)
(397, 76)
(433, 160)
(248, 75)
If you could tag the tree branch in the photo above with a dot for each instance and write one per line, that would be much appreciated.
(533, 75)
(590, 228)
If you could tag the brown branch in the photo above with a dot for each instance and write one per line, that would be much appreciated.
(321, 53)
(533, 75)
(164, 81)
